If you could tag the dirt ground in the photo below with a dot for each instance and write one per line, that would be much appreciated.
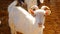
(52, 23)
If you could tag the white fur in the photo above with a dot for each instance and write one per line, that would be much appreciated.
(20, 20)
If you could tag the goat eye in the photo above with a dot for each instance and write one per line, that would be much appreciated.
(33, 9)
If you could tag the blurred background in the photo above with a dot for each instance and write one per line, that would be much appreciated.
(52, 22)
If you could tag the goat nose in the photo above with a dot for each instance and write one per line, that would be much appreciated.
(39, 24)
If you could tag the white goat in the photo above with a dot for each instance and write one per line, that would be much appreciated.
(20, 20)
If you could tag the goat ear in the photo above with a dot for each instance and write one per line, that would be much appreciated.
(31, 11)
(48, 12)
